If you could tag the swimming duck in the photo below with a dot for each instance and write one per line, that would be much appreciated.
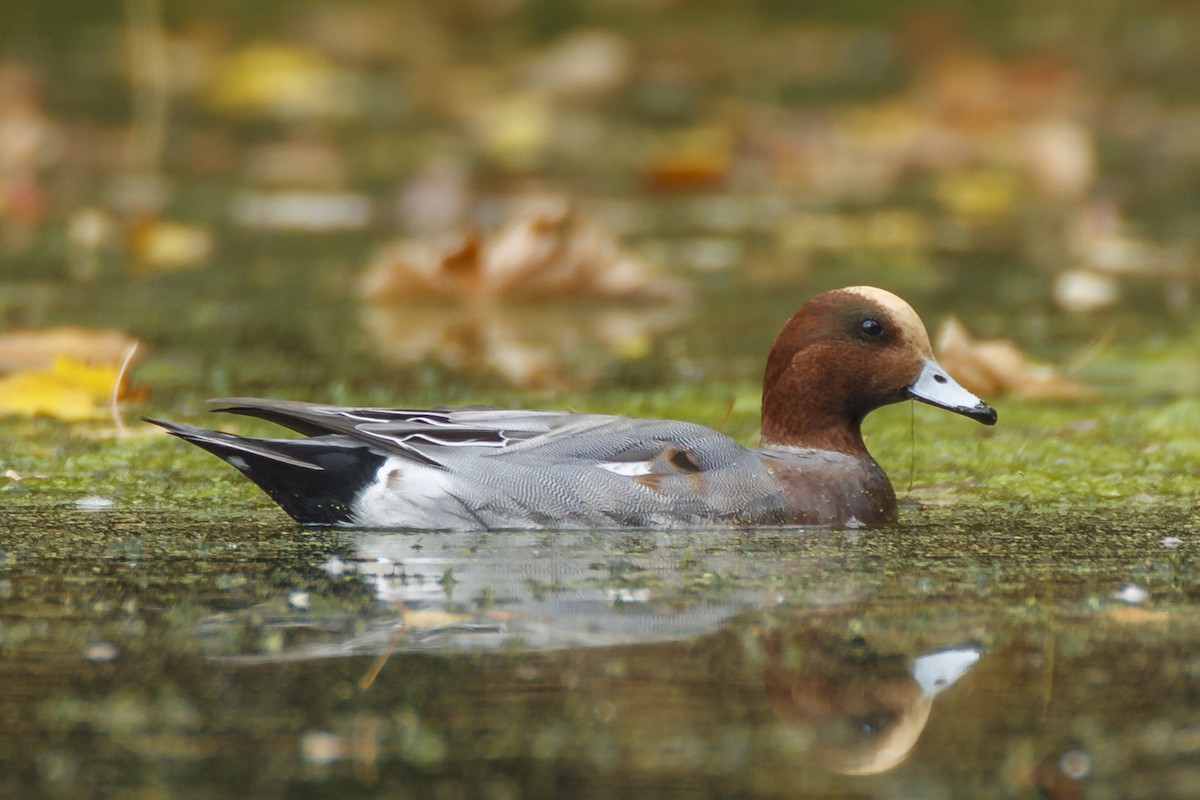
(843, 354)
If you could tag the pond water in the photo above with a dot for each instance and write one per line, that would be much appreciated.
(168, 654)
(1030, 628)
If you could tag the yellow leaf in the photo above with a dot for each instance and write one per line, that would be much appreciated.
(32, 393)
(276, 79)
(69, 390)
(95, 379)
(165, 245)
(979, 193)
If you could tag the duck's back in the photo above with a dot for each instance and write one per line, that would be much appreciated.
(475, 469)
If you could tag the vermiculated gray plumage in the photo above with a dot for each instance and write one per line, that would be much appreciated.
(458, 469)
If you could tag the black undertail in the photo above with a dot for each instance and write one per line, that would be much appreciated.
(314, 480)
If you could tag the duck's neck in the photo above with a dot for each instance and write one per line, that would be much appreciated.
(799, 410)
(803, 428)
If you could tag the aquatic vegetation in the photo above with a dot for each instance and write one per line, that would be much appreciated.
(1100, 452)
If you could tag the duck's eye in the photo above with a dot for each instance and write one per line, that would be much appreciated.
(871, 327)
(873, 724)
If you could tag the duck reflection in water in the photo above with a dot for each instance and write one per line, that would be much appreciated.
(862, 710)
(841, 683)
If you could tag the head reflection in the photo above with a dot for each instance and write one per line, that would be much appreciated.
(861, 711)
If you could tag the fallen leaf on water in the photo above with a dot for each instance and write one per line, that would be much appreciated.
(161, 245)
(511, 300)
(546, 253)
(277, 80)
(69, 389)
(95, 379)
(990, 367)
(692, 160)
(513, 342)
(30, 394)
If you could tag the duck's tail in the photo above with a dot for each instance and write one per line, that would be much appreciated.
(314, 480)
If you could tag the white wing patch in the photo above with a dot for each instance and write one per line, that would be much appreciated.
(628, 468)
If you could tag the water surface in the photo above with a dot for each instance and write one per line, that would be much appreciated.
(210, 655)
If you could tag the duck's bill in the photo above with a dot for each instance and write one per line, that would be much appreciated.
(938, 670)
(935, 387)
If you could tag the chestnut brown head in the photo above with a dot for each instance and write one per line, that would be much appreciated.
(843, 354)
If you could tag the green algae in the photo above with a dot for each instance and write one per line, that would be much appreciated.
(1104, 452)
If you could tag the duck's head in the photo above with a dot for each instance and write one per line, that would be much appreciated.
(845, 353)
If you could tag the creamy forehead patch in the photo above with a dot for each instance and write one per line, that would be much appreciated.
(900, 311)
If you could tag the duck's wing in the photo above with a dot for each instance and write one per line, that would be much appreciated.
(400, 427)
(621, 445)
(490, 468)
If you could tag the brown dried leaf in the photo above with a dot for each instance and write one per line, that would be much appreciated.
(512, 343)
(418, 270)
(545, 253)
(990, 367)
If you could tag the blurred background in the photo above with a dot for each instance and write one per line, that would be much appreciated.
(325, 198)
(610, 205)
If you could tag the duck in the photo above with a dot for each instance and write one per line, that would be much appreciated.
(841, 355)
